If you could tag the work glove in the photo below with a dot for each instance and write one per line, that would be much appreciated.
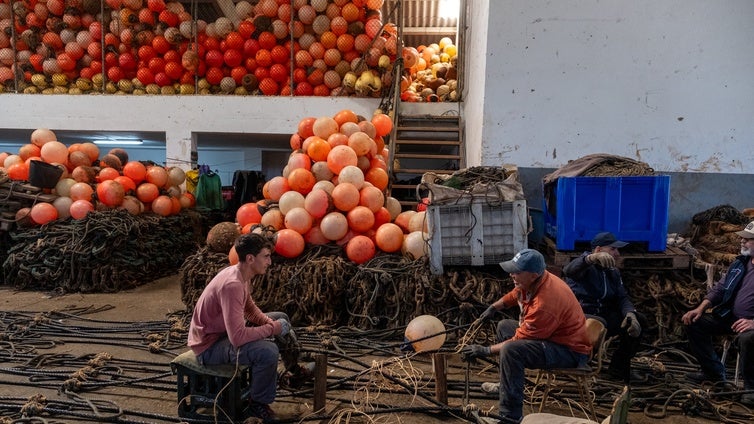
(285, 327)
(631, 324)
(471, 352)
(488, 313)
(603, 259)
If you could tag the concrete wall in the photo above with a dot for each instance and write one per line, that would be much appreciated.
(665, 82)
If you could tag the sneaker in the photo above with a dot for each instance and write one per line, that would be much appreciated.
(488, 387)
(700, 377)
(261, 411)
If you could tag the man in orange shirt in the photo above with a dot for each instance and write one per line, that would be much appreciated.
(550, 331)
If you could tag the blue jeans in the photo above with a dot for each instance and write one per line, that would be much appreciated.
(517, 355)
(260, 355)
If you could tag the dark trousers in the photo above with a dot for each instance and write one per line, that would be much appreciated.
(517, 355)
(620, 362)
(700, 335)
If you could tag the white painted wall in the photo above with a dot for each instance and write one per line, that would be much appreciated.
(478, 50)
(668, 82)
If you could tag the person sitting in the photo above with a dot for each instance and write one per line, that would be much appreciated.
(550, 331)
(597, 284)
(732, 303)
(227, 327)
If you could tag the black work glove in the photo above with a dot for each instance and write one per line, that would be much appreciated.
(488, 313)
(631, 324)
(471, 352)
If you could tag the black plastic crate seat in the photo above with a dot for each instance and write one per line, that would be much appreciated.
(199, 386)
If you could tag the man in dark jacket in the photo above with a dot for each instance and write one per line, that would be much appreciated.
(598, 286)
(732, 300)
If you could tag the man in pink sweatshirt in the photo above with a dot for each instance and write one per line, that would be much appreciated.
(228, 327)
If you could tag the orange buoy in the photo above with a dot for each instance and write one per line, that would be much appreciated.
(382, 216)
(111, 193)
(314, 236)
(301, 180)
(299, 160)
(318, 203)
(128, 184)
(382, 124)
(157, 175)
(298, 220)
(377, 177)
(360, 142)
(324, 126)
(81, 191)
(275, 187)
(80, 208)
(360, 219)
(340, 157)
(403, 218)
(107, 174)
(248, 213)
(147, 192)
(54, 152)
(389, 237)
(372, 198)
(360, 249)
(273, 218)
(345, 196)
(40, 136)
(289, 243)
(135, 171)
(162, 205)
(43, 212)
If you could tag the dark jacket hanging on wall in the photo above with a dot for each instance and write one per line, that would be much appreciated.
(247, 187)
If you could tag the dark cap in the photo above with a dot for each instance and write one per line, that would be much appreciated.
(607, 239)
(526, 260)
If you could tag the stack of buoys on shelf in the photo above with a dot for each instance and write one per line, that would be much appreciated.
(301, 47)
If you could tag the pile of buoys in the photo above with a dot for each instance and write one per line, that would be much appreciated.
(333, 191)
(86, 181)
(270, 47)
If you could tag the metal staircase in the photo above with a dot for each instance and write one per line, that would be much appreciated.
(424, 143)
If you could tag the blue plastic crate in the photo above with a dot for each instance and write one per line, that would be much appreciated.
(635, 209)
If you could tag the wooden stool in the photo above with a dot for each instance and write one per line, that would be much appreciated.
(199, 385)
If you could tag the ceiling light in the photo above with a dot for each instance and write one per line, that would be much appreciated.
(117, 142)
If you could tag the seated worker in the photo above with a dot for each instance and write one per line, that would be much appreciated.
(550, 331)
(598, 286)
(732, 300)
(227, 327)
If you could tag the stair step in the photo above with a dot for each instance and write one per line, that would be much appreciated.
(428, 142)
(425, 156)
(428, 128)
(423, 171)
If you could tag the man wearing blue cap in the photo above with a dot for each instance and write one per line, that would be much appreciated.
(598, 286)
(550, 331)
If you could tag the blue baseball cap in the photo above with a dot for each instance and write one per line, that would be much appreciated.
(526, 260)
(607, 239)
